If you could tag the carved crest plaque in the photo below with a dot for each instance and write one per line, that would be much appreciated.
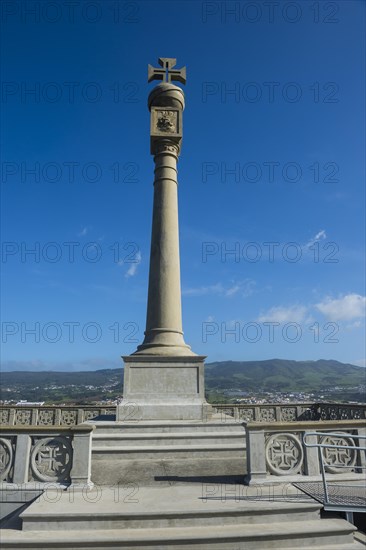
(166, 122)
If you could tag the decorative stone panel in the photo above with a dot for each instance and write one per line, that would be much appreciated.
(284, 454)
(51, 458)
(342, 412)
(46, 417)
(4, 416)
(329, 413)
(288, 414)
(90, 414)
(246, 414)
(69, 418)
(339, 461)
(6, 459)
(23, 417)
(268, 414)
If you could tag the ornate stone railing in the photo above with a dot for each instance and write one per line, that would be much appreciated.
(276, 450)
(41, 455)
(289, 412)
(51, 415)
(293, 412)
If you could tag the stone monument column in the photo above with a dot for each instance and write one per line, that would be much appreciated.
(164, 334)
(164, 379)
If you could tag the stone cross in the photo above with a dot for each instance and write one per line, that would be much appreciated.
(167, 73)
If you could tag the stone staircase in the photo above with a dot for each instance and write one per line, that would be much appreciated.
(174, 486)
(148, 451)
(178, 517)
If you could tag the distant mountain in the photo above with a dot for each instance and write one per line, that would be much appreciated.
(44, 379)
(277, 375)
(283, 375)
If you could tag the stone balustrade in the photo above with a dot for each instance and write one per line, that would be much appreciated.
(42, 455)
(275, 451)
(294, 412)
(289, 412)
(21, 415)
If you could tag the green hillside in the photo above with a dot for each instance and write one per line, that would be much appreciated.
(275, 375)
(283, 375)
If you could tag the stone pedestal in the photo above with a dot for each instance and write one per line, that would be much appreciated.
(163, 388)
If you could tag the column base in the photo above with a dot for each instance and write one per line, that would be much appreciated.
(163, 388)
(164, 350)
(164, 342)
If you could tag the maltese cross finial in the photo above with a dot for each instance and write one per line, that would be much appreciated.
(167, 73)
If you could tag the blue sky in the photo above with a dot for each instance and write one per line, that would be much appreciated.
(274, 137)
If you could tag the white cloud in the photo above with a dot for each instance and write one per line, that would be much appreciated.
(132, 270)
(345, 308)
(83, 232)
(202, 290)
(318, 237)
(243, 288)
(354, 324)
(281, 314)
(233, 290)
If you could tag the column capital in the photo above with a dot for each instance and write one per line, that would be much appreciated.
(165, 146)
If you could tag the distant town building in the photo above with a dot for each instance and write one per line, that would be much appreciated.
(25, 403)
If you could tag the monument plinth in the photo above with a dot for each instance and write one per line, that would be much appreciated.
(164, 379)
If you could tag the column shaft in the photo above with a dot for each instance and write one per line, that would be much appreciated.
(164, 333)
(164, 302)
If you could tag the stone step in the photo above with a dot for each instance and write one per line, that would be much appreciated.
(170, 438)
(148, 450)
(223, 425)
(296, 534)
(113, 516)
(128, 452)
(348, 546)
(116, 468)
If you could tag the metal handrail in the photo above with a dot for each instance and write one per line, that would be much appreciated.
(319, 446)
